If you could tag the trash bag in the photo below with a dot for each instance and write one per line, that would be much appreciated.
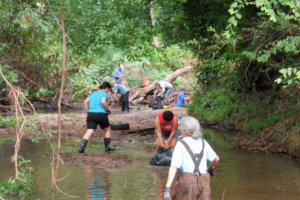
(157, 103)
(162, 158)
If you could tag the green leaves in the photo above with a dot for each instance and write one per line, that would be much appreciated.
(290, 77)
(233, 21)
(19, 187)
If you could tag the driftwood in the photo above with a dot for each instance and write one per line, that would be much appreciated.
(13, 108)
(142, 92)
(136, 101)
(143, 95)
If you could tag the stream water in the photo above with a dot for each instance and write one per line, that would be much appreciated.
(240, 175)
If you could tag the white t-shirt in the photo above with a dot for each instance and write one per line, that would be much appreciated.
(182, 159)
(165, 84)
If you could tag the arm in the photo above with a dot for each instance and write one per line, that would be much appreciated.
(158, 131)
(103, 101)
(115, 93)
(214, 162)
(86, 104)
(172, 173)
(119, 76)
(174, 129)
(116, 75)
(155, 91)
(162, 90)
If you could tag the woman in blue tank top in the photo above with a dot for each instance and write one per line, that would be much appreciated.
(97, 109)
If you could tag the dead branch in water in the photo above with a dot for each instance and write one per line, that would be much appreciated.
(16, 96)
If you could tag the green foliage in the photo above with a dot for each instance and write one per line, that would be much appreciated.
(217, 105)
(254, 126)
(174, 56)
(290, 77)
(8, 122)
(20, 187)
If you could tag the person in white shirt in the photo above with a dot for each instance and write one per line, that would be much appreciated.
(166, 89)
(190, 157)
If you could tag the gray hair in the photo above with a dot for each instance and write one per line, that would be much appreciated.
(191, 127)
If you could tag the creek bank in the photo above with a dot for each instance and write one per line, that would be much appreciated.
(263, 142)
(74, 126)
(96, 160)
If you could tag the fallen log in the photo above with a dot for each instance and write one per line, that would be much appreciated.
(142, 92)
(13, 108)
(177, 73)
(136, 101)
(134, 96)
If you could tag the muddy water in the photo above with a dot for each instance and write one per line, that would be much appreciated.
(240, 175)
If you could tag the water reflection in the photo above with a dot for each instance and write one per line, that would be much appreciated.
(97, 184)
(243, 175)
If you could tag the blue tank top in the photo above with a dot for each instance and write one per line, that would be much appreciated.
(95, 104)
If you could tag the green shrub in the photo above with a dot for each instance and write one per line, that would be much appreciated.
(255, 125)
(19, 187)
(5, 122)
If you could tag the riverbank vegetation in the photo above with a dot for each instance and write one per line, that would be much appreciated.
(245, 56)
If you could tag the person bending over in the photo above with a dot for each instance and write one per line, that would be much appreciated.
(97, 114)
(166, 89)
(181, 98)
(124, 91)
(166, 128)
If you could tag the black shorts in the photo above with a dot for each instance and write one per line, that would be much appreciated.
(93, 119)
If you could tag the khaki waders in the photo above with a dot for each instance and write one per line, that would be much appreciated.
(193, 186)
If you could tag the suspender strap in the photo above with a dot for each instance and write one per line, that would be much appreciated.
(195, 156)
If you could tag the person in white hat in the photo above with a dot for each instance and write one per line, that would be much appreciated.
(119, 75)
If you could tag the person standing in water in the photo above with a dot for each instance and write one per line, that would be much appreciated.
(190, 157)
(97, 109)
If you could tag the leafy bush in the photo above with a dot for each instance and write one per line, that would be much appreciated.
(216, 105)
(5, 122)
(255, 125)
(21, 186)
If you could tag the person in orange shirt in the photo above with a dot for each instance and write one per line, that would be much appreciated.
(166, 128)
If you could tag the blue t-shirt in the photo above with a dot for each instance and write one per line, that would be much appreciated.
(117, 72)
(180, 99)
(95, 104)
(182, 159)
(121, 88)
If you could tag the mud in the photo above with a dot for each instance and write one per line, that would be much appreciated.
(74, 126)
(96, 160)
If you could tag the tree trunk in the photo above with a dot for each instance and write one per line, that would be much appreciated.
(155, 38)
(139, 100)
(142, 92)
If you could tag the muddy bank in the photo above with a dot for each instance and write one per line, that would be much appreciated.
(270, 141)
(74, 126)
(74, 123)
(96, 160)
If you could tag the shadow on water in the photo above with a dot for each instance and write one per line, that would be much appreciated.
(244, 175)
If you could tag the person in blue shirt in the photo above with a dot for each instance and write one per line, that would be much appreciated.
(181, 98)
(119, 75)
(190, 157)
(124, 91)
(97, 109)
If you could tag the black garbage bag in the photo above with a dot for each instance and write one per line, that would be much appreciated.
(157, 103)
(162, 158)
